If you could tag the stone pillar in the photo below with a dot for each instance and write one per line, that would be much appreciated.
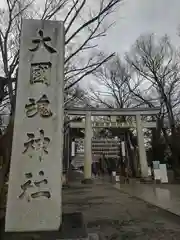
(34, 195)
(142, 151)
(88, 149)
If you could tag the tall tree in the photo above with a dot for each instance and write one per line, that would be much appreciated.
(113, 78)
(156, 66)
(84, 22)
(83, 26)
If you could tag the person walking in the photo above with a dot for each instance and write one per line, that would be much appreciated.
(94, 168)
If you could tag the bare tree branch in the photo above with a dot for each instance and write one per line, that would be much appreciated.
(89, 71)
(75, 15)
(157, 62)
(108, 7)
(10, 35)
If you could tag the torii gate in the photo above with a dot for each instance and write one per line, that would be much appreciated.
(138, 124)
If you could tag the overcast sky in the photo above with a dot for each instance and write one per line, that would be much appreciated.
(136, 17)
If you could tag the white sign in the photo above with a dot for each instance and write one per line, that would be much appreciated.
(117, 179)
(163, 170)
(157, 174)
(156, 165)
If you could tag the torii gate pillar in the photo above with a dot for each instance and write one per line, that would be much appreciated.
(142, 151)
(88, 149)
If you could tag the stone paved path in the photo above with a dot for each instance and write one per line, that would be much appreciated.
(117, 215)
(165, 196)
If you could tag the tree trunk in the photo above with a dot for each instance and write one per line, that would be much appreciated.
(5, 152)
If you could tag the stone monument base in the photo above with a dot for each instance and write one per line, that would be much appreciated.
(73, 227)
(146, 180)
(87, 181)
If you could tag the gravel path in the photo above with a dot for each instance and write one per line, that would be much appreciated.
(117, 215)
